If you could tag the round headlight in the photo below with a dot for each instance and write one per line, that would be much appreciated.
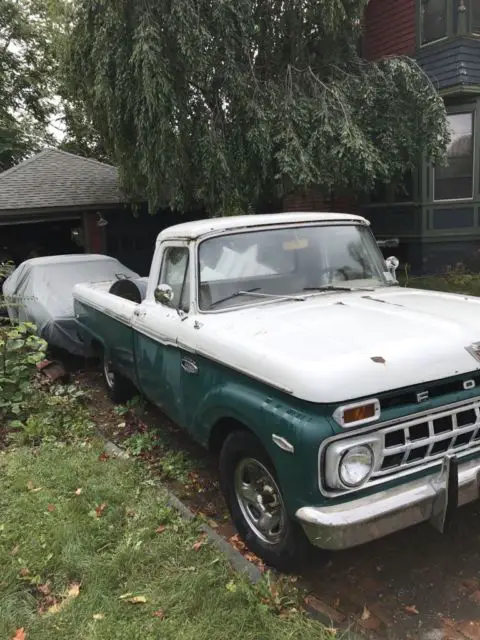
(355, 466)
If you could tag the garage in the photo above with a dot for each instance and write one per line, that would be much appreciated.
(21, 241)
(56, 203)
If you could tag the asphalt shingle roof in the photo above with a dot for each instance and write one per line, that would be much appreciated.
(56, 179)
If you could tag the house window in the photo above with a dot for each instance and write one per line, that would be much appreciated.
(434, 20)
(455, 181)
(475, 15)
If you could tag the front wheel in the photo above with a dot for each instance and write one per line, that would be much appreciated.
(119, 388)
(256, 504)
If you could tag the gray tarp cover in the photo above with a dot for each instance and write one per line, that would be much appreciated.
(40, 291)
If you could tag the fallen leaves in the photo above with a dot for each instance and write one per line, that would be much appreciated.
(412, 609)
(73, 590)
(19, 634)
(51, 508)
(160, 614)
(98, 616)
(160, 529)
(239, 545)
(56, 606)
(31, 487)
(100, 509)
(199, 543)
(103, 457)
(470, 629)
(365, 614)
(15, 550)
(129, 597)
(78, 492)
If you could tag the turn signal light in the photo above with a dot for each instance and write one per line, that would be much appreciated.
(357, 414)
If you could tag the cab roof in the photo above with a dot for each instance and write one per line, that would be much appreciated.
(199, 228)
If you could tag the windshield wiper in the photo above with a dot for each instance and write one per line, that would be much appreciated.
(333, 287)
(254, 294)
(232, 296)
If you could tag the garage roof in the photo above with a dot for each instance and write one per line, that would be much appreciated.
(55, 179)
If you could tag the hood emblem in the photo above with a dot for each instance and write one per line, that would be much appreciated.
(423, 396)
(474, 350)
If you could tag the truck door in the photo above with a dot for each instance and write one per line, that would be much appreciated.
(157, 328)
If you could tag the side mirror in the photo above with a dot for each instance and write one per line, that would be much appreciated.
(164, 294)
(392, 265)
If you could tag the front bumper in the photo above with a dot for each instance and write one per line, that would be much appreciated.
(433, 498)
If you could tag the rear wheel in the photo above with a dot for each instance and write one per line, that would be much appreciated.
(256, 504)
(119, 388)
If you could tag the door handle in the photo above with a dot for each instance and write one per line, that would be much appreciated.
(189, 366)
(138, 313)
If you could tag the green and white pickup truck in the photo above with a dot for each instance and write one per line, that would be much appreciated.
(343, 406)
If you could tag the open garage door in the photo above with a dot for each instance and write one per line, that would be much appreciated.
(32, 238)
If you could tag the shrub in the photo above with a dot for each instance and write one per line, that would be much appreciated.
(457, 279)
(20, 351)
(56, 413)
(32, 411)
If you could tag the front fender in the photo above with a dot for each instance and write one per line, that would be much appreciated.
(267, 415)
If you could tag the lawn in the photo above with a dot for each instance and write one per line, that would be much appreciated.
(88, 549)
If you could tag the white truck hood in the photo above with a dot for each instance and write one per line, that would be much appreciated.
(336, 347)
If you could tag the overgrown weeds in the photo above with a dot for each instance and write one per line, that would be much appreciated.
(32, 410)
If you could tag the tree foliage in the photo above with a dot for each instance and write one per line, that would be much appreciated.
(27, 78)
(230, 103)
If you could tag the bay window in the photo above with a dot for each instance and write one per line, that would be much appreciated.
(433, 20)
(475, 15)
(439, 19)
(455, 181)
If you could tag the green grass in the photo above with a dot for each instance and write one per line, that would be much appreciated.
(51, 536)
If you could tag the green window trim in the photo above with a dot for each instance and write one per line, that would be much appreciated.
(427, 192)
(459, 20)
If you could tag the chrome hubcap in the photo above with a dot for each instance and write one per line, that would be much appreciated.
(108, 374)
(260, 500)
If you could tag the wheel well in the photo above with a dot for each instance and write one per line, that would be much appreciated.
(97, 347)
(220, 432)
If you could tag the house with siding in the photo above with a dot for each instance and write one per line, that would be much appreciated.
(436, 215)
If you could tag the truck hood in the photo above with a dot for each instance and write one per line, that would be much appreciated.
(336, 347)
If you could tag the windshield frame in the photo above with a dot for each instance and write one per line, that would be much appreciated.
(275, 227)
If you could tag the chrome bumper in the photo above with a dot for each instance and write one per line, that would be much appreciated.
(433, 498)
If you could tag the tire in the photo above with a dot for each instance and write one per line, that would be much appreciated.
(284, 547)
(119, 388)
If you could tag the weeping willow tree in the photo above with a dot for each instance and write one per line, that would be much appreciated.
(229, 103)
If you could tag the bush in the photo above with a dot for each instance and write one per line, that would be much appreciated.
(20, 351)
(56, 413)
(32, 410)
(457, 279)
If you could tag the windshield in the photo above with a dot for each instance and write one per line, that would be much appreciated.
(237, 269)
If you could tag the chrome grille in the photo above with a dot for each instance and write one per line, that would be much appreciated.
(403, 447)
(427, 438)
